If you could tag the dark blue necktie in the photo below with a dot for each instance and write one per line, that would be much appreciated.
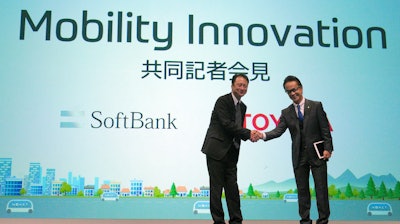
(301, 118)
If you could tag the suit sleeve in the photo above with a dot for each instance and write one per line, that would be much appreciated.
(226, 114)
(279, 130)
(324, 128)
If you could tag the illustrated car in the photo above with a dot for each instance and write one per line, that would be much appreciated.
(109, 196)
(379, 208)
(19, 205)
(201, 207)
(290, 198)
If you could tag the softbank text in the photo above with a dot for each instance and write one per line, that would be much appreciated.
(132, 120)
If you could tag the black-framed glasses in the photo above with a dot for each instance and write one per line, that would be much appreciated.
(292, 90)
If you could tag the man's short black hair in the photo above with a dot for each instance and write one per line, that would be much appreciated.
(291, 78)
(239, 75)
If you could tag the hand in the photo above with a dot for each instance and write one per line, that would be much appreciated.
(255, 135)
(327, 155)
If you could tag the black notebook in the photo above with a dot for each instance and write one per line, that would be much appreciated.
(319, 149)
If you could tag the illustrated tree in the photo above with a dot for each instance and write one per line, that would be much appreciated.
(396, 193)
(382, 191)
(173, 191)
(371, 189)
(349, 191)
(390, 193)
(342, 196)
(258, 194)
(362, 194)
(99, 192)
(157, 192)
(278, 195)
(22, 191)
(355, 192)
(65, 188)
(250, 191)
(332, 191)
(80, 194)
(338, 193)
(190, 194)
(312, 192)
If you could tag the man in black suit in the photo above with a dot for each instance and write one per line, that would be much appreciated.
(307, 123)
(221, 146)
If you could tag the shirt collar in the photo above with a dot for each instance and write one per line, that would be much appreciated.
(235, 101)
(301, 102)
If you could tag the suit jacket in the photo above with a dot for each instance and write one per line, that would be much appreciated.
(315, 128)
(222, 129)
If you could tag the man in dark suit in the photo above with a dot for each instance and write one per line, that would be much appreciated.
(221, 146)
(307, 123)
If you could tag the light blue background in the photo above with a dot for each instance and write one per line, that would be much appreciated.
(39, 78)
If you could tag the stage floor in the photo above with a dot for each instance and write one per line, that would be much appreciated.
(113, 221)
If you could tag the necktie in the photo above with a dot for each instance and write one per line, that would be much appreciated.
(238, 118)
(238, 122)
(301, 118)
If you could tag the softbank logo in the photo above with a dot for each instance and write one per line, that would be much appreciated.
(116, 120)
(71, 119)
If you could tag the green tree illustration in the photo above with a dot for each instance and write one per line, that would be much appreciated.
(362, 194)
(342, 196)
(250, 191)
(22, 191)
(80, 194)
(390, 193)
(332, 191)
(278, 195)
(396, 193)
(65, 188)
(313, 192)
(371, 189)
(382, 191)
(258, 194)
(355, 192)
(157, 192)
(173, 191)
(190, 194)
(98, 192)
(349, 191)
(338, 194)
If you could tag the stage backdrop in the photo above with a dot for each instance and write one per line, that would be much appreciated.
(100, 96)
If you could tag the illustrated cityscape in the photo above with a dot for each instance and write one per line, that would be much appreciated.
(35, 184)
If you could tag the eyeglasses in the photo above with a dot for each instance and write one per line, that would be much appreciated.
(292, 90)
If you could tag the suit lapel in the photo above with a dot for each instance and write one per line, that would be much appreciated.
(292, 112)
(307, 108)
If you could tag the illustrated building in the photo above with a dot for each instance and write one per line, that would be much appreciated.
(5, 172)
(34, 177)
(136, 188)
(49, 178)
(12, 186)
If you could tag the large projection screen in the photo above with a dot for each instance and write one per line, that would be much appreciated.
(116, 96)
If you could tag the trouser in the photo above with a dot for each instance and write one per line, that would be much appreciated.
(223, 176)
(319, 173)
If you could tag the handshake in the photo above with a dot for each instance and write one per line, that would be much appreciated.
(256, 135)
